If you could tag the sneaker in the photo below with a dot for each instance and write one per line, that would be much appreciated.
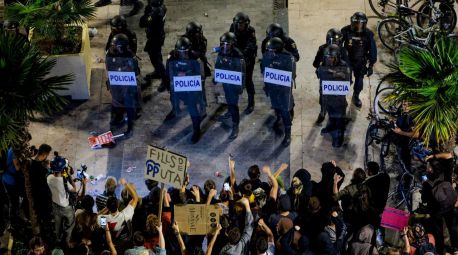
(101, 3)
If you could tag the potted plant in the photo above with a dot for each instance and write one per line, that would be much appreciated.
(58, 28)
(428, 80)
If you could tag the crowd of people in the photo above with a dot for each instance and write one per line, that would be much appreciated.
(258, 215)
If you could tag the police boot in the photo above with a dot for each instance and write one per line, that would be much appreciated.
(153, 75)
(287, 139)
(137, 7)
(355, 100)
(276, 125)
(291, 113)
(130, 130)
(235, 131)
(225, 116)
(162, 87)
(196, 129)
(249, 109)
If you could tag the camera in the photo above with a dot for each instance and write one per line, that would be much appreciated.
(81, 173)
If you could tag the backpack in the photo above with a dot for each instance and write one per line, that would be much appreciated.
(424, 248)
(444, 194)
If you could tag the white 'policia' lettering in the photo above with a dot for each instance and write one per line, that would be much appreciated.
(278, 77)
(187, 83)
(228, 77)
(122, 78)
(336, 88)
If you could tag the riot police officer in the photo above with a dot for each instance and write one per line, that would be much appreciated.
(125, 99)
(153, 21)
(246, 42)
(334, 69)
(233, 57)
(198, 43)
(183, 62)
(333, 36)
(362, 51)
(281, 96)
(276, 30)
(119, 26)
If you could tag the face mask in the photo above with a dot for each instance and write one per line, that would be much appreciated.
(297, 186)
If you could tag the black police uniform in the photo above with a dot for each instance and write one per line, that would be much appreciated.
(335, 105)
(199, 46)
(318, 61)
(246, 42)
(154, 21)
(362, 51)
(132, 39)
(126, 98)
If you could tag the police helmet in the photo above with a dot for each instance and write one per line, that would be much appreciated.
(356, 19)
(241, 21)
(120, 42)
(334, 36)
(193, 28)
(332, 51)
(275, 30)
(118, 22)
(183, 44)
(58, 164)
(228, 38)
(275, 44)
(156, 3)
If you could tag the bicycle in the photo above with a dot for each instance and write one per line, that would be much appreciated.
(390, 8)
(397, 31)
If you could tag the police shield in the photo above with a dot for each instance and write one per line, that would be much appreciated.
(278, 74)
(123, 82)
(334, 86)
(230, 72)
(186, 83)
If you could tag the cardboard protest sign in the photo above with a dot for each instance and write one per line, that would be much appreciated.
(196, 219)
(335, 88)
(394, 219)
(165, 166)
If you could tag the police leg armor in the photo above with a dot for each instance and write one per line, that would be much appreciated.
(234, 110)
(195, 129)
(359, 77)
(286, 116)
(278, 115)
(155, 56)
(250, 86)
(131, 113)
(117, 116)
(175, 107)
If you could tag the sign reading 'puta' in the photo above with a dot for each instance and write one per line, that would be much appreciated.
(228, 77)
(187, 83)
(165, 166)
(335, 88)
(122, 78)
(278, 77)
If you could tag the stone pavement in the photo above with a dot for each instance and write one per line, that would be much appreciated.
(307, 23)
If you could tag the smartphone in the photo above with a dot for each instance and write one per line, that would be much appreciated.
(226, 186)
(424, 178)
(103, 222)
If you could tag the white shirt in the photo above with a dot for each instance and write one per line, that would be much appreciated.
(56, 185)
(116, 222)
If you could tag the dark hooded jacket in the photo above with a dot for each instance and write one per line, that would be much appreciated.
(299, 202)
(324, 189)
(294, 243)
(362, 244)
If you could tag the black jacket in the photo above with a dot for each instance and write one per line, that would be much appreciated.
(132, 40)
(359, 45)
(290, 46)
(246, 41)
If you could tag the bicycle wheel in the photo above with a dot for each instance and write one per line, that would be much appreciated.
(369, 154)
(388, 107)
(447, 19)
(381, 85)
(393, 33)
(383, 8)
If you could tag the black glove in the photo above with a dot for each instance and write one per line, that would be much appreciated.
(370, 71)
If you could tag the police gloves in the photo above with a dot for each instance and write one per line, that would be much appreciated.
(370, 71)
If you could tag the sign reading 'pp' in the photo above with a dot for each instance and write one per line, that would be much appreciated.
(228, 77)
(187, 83)
(278, 77)
(335, 88)
(165, 166)
(122, 78)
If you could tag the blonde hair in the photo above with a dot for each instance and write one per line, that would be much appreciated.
(152, 221)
